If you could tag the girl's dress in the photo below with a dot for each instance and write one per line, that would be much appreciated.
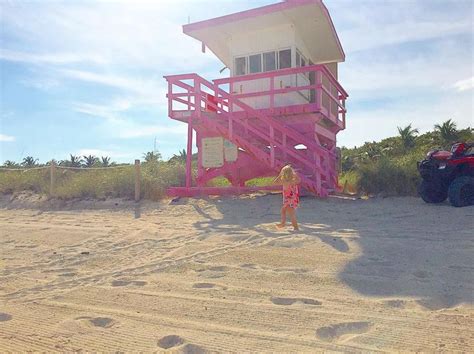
(291, 196)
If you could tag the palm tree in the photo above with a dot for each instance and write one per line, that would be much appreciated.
(10, 164)
(371, 151)
(408, 136)
(105, 161)
(447, 131)
(152, 156)
(90, 160)
(29, 161)
(181, 157)
(75, 161)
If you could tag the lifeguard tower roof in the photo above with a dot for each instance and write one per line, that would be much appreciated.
(309, 18)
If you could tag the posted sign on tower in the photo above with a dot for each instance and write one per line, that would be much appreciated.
(217, 150)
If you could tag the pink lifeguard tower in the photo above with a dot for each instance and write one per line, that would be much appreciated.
(282, 103)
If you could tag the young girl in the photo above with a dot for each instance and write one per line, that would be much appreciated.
(291, 196)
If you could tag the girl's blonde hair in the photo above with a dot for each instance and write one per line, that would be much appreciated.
(287, 174)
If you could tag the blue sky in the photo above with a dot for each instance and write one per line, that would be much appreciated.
(86, 77)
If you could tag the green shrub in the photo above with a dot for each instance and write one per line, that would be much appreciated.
(387, 176)
(218, 182)
(156, 177)
(260, 181)
(24, 179)
(352, 180)
(88, 183)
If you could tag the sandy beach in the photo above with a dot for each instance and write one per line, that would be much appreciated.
(197, 275)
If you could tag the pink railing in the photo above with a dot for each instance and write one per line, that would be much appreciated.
(198, 95)
(329, 96)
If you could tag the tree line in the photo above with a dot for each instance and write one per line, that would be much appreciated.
(92, 161)
(407, 142)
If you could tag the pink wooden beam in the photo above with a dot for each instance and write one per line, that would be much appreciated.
(293, 134)
(189, 152)
(284, 72)
(290, 150)
(273, 92)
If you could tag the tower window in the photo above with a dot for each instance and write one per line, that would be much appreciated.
(284, 59)
(241, 66)
(255, 63)
(269, 61)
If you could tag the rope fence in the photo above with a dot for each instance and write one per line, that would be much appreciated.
(24, 169)
(136, 181)
(52, 171)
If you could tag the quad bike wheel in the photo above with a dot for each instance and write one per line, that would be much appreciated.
(461, 191)
(432, 193)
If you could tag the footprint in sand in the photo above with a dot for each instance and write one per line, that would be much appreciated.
(116, 283)
(179, 344)
(219, 269)
(439, 302)
(5, 317)
(421, 274)
(72, 274)
(213, 272)
(286, 301)
(204, 286)
(208, 286)
(291, 270)
(339, 330)
(192, 349)
(293, 243)
(248, 266)
(170, 341)
(103, 322)
(398, 304)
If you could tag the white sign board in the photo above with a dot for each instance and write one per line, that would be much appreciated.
(230, 151)
(212, 152)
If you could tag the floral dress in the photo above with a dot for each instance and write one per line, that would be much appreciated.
(291, 196)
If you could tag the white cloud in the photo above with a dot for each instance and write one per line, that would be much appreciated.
(41, 83)
(123, 35)
(101, 111)
(464, 85)
(374, 24)
(117, 125)
(381, 73)
(153, 130)
(108, 80)
(368, 36)
(55, 58)
(145, 91)
(373, 124)
(6, 138)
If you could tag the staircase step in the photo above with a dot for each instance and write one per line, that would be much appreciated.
(256, 145)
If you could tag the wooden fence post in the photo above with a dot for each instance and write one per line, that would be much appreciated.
(137, 180)
(53, 178)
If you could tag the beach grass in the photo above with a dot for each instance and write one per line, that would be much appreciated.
(117, 182)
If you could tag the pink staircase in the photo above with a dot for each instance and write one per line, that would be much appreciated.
(303, 135)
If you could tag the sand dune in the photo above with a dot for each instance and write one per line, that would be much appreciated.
(215, 274)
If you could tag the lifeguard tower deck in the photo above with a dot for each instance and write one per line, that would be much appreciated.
(282, 103)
